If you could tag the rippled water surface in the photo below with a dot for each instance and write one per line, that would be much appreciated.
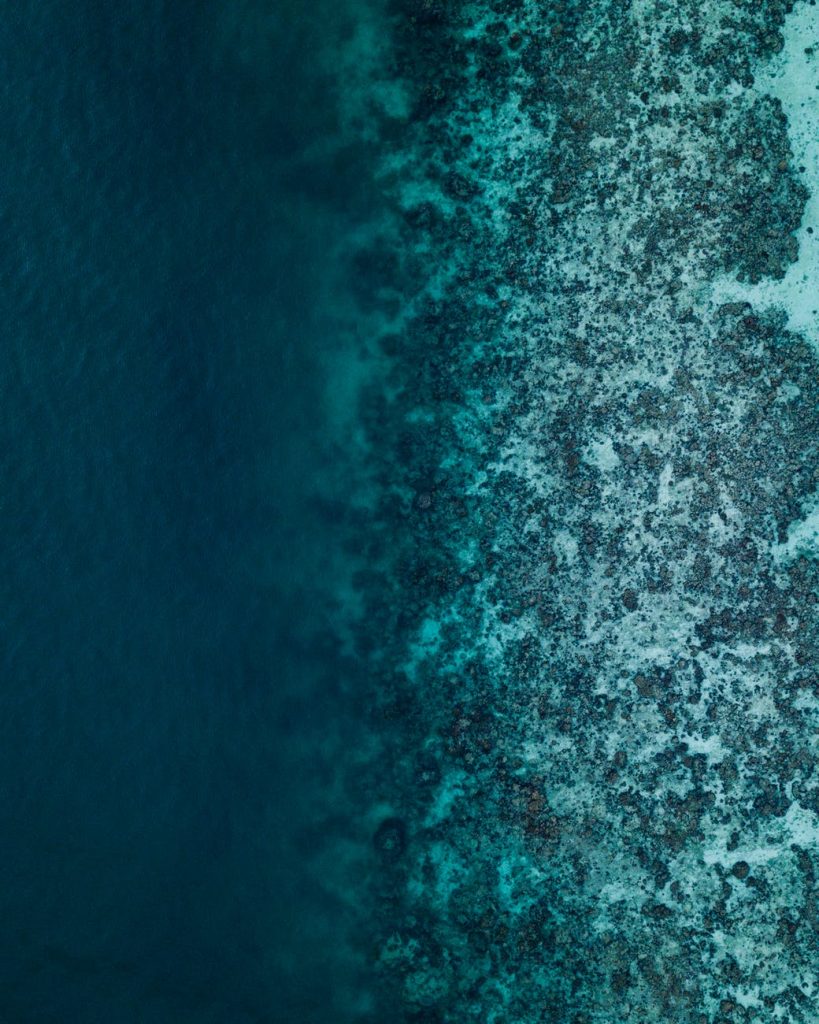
(164, 247)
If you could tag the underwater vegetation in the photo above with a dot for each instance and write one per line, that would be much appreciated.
(590, 791)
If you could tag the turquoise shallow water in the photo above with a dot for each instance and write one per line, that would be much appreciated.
(590, 581)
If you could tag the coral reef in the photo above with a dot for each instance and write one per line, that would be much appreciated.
(593, 653)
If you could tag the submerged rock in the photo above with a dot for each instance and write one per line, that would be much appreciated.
(390, 840)
(594, 524)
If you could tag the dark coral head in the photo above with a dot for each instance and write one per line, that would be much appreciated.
(390, 839)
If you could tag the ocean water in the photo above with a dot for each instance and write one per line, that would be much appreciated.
(165, 242)
(409, 580)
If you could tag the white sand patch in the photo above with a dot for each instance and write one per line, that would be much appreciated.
(793, 78)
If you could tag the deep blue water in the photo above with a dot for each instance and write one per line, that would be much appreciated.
(160, 411)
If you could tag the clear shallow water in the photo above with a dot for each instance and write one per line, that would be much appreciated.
(160, 407)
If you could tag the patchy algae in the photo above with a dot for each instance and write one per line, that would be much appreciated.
(591, 635)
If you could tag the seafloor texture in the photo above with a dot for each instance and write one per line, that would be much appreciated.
(588, 595)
